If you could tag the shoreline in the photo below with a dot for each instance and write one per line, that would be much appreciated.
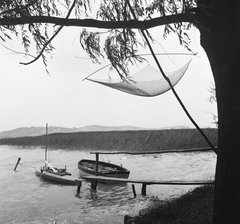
(193, 207)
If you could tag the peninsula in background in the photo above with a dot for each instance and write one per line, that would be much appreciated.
(36, 131)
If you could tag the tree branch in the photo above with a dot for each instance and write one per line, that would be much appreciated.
(146, 24)
(49, 41)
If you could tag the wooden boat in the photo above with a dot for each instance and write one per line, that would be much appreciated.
(60, 176)
(53, 174)
(88, 167)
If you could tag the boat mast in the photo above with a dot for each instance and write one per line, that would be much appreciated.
(46, 141)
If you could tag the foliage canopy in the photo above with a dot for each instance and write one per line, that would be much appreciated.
(39, 22)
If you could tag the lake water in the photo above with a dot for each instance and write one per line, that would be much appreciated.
(25, 198)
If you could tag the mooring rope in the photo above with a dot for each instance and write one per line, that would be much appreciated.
(27, 165)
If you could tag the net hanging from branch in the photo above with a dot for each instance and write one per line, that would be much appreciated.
(148, 82)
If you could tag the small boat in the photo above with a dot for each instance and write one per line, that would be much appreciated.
(53, 174)
(88, 167)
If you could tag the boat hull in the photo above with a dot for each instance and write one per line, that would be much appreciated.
(88, 167)
(49, 176)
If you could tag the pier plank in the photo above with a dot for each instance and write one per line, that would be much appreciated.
(150, 182)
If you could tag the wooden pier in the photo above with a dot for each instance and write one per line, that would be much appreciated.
(144, 183)
(94, 179)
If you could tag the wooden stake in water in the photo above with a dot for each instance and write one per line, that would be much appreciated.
(18, 161)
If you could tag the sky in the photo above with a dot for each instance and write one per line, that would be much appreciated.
(29, 96)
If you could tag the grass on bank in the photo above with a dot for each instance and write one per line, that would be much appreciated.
(195, 207)
(145, 140)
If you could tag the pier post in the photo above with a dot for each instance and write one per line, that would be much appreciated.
(94, 184)
(134, 191)
(97, 159)
(79, 187)
(144, 186)
(96, 172)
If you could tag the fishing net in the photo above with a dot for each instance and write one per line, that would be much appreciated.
(147, 82)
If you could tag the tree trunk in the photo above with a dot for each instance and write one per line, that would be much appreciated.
(227, 185)
(220, 37)
(226, 73)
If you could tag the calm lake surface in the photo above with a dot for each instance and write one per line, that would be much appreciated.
(25, 198)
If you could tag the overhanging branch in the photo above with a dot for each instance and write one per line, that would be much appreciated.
(146, 24)
(49, 41)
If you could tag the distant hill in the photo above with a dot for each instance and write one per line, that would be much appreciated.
(36, 131)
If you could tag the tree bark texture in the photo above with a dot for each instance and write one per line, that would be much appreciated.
(220, 37)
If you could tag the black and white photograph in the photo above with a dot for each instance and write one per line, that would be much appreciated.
(119, 111)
